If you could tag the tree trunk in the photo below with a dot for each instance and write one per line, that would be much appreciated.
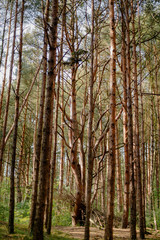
(6, 60)
(24, 101)
(7, 164)
(48, 180)
(136, 130)
(125, 127)
(19, 170)
(53, 163)
(158, 140)
(12, 187)
(151, 175)
(8, 93)
(77, 214)
(149, 168)
(112, 151)
(118, 175)
(61, 175)
(35, 129)
(130, 130)
(3, 33)
(90, 135)
(40, 126)
(44, 167)
(28, 167)
(142, 127)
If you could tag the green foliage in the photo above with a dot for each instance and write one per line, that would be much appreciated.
(150, 218)
(4, 212)
(21, 232)
(61, 209)
(4, 201)
(61, 214)
(22, 212)
(76, 57)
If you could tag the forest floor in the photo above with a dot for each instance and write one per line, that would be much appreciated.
(68, 233)
(97, 234)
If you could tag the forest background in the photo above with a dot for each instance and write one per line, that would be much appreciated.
(80, 115)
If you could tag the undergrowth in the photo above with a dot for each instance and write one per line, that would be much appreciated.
(21, 232)
(61, 215)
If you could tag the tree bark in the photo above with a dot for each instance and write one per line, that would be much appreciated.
(77, 214)
(142, 127)
(40, 125)
(6, 59)
(125, 127)
(8, 93)
(3, 34)
(19, 170)
(24, 101)
(112, 150)
(62, 102)
(136, 130)
(35, 129)
(61, 175)
(158, 129)
(14, 144)
(130, 131)
(53, 163)
(44, 167)
(90, 135)
(118, 175)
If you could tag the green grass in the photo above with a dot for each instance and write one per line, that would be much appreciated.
(21, 233)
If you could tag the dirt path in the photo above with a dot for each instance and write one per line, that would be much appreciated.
(97, 234)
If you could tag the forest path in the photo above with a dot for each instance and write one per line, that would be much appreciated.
(97, 234)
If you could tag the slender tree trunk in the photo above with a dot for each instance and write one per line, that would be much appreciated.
(81, 146)
(20, 170)
(76, 169)
(158, 158)
(68, 170)
(136, 130)
(152, 157)
(44, 167)
(40, 125)
(142, 128)
(35, 129)
(48, 180)
(12, 187)
(61, 176)
(90, 135)
(62, 102)
(8, 93)
(83, 119)
(152, 202)
(125, 127)
(103, 164)
(28, 167)
(149, 168)
(24, 101)
(158, 140)
(8, 162)
(104, 185)
(3, 34)
(130, 131)
(6, 59)
(112, 151)
(53, 163)
(119, 177)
